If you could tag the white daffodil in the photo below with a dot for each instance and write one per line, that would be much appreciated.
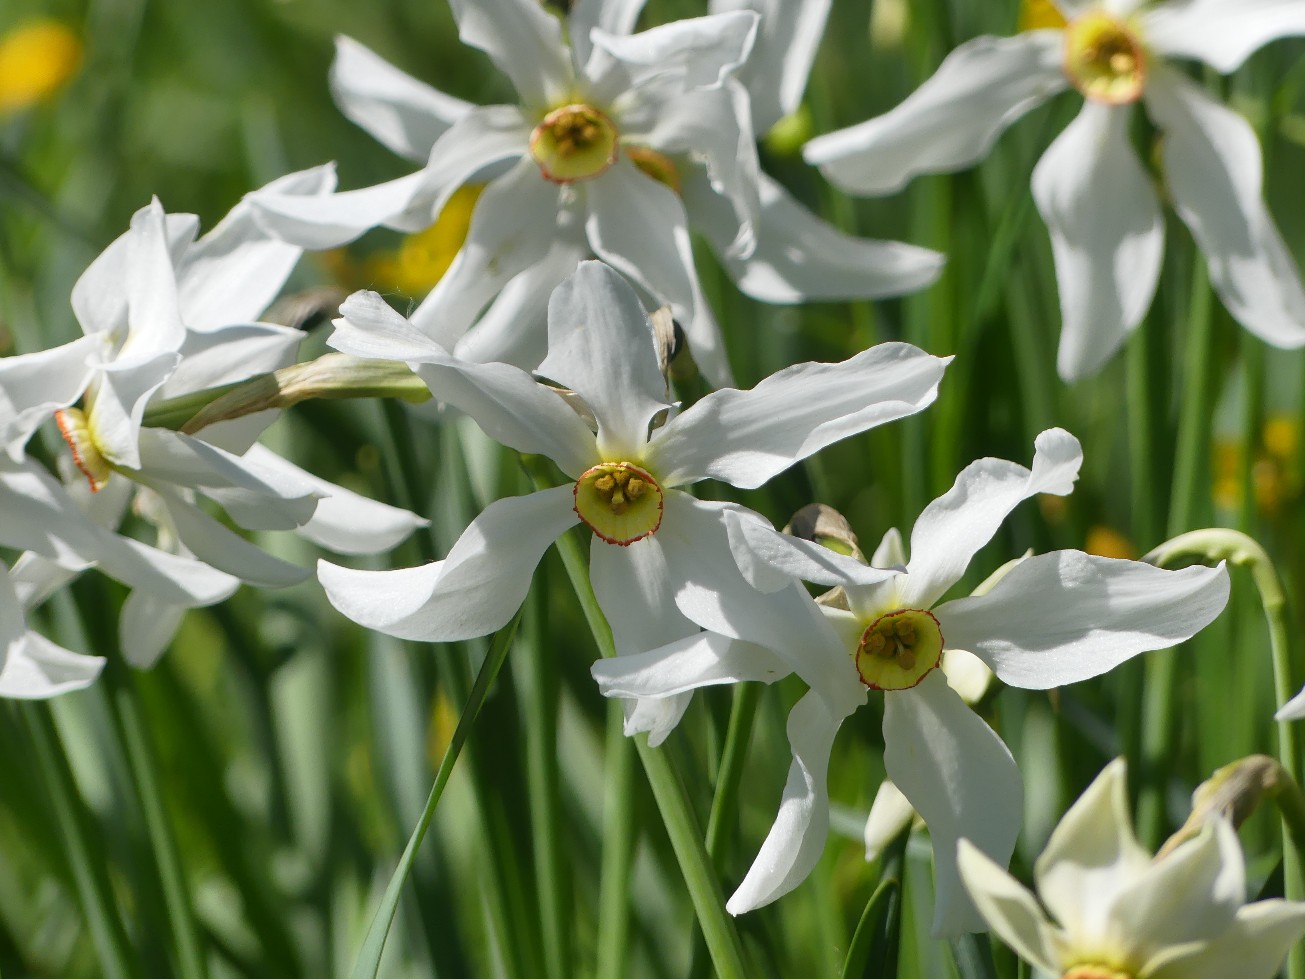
(1052, 619)
(31, 666)
(649, 536)
(1117, 913)
(621, 142)
(1098, 202)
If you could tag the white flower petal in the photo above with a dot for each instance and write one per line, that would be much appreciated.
(473, 591)
(797, 838)
(230, 353)
(37, 669)
(512, 227)
(215, 545)
(1292, 710)
(524, 41)
(700, 660)
(151, 284)
(968, 675)
(116, 400)
(746, 437)
(961, 779)
(1222, 33)
(949, 122)
(369, 327)
(1253, 947)
(600, 344)
(612, 16)
(1107, 235)
(146, 627)
(800, 257)
(401, 112)
(1091, 856)
(703, 50)
(344, 521)
(771, 560)
(1008, 907)
(890, 815)
(33, 386)
(1213, 168)
(891, 552)
(1066, 616)
(951, 529)
(232, 274)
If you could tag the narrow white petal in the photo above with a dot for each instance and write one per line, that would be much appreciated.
(962, 781)
(473, 591)
(1253, 947)
(36, 669)
(771, 560)
(703, 50)
(949, 122)
(1066, 616)
(612, 16)
(952, 528)
(797, 838)
(799, 257)
(146, 627)
(1222, 33)
(401, 112)
(369, 327)
(1107, 235)
(1091, 857)
(116, 401)
(232, 274)
(890, 815)
(1213, 167)
(33, 386)
(1008, 908)
(151, 284)
(700, 660)
(523, 40)
(1292, 710)
(891, 552)
(230, 353)
(600, 344)
(746, 437)
(214, 544)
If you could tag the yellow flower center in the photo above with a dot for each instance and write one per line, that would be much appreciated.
(1093, 971)
(898, 649)
(573, 142)
(1105, 58)
(620, 502)
(85, 452)
(656, 165)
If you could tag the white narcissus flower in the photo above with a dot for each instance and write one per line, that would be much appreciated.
(1052, 619)
(31, 666)
(650, 537)
(1098, 202)
(620, 142)
(1116, 913)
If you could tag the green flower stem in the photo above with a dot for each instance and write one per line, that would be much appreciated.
(1243, 552)
(369, 957)
(672, 801)
(130, 724)
(620, 826)
(331, 376)
(1161, 671)
(725, 804)
(876, 909)
(81, 848)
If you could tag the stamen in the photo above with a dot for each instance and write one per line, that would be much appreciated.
(1105, 58)
(898, 649)
(574, 142)
(656, 165)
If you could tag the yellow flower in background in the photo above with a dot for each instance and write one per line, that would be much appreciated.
(1276, 476)
(36, 59)
(1105, 541)
(1035, 15)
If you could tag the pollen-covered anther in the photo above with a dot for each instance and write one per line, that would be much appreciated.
(619, 501)
(86, 454)
(574, 142)
(1105, 58)
(898, 649)
(659, 166)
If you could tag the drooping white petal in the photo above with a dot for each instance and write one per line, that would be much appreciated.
(512, 226)
(1008, 907)
(771, 560)
(116, 403)
(776, 72)
(524, 41)
(797, 838)
(151, 284)
(256, 499)
(1222, 33)
(1191, 895)
(473, 591)
(891, 552)
(961, 779)
(1091, 856)
(1066, 616)
(33, 386)
(344, 521)
(230, 353)
(799, 257)
(401, 112)
(746, 437)
(1107, 235)
(600, 344)
(891, 814)
(37, 668)
(1253, 947)
(949, 122)
(369, 327)
(147, 626)
(612, 16)
(700, 660)
(953, 527)
(1213, 169)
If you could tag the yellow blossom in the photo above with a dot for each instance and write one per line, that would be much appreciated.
(36, 58)
(1036, 15)
(423, 258)
(1107, 542)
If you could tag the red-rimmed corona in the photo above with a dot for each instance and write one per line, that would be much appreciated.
(620, 502)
